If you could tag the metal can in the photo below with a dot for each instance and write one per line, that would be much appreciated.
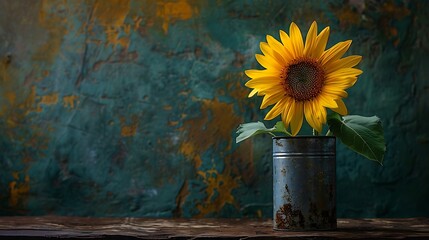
(304, 183)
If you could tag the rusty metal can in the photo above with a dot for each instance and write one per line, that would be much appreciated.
(304, 183)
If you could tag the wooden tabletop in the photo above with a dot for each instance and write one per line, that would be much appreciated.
(142, 228)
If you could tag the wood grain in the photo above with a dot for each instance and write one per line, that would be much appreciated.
(143, 228)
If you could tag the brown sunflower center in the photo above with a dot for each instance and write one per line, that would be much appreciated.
(303, 79)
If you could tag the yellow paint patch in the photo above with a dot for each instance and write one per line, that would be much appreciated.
(129, 130)
(18, 190)
(70, 101)
(170, 12)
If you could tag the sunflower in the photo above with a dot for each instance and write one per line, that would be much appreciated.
(303, 79)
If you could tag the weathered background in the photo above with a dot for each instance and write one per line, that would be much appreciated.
(129, 108)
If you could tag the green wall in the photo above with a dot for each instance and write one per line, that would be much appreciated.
(129, 108)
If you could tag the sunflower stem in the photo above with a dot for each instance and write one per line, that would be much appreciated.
(315, 133)
(272, 134)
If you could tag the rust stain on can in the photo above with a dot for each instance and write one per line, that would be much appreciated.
(287, 218)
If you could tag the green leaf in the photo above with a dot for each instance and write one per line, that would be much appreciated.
(247, 130)
(280, 127)
(364, 135)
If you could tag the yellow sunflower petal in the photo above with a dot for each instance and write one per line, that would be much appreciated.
(288, 112)
(310, 40)
(346, 62)
(276, 110)
(286, 117)
(312, 116)
(252, 93)
(268, 62)
(323, 114)
(320, 115)
(335, 52)
(344, 72)
(308, 113)
(268, 51)
(277, 46)
(327, 101)
(341, 109)
(270, 99)
(321, 41)
(297, 119)
(287, 43)
(341, 83)
(254, 73)
(262, 81)
(296, 39)
(334, 92)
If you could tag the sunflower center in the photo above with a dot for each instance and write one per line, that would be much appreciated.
(303, 79)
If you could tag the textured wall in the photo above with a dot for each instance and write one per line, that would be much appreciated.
(129, 108)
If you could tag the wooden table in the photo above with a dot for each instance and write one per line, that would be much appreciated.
(138, 228)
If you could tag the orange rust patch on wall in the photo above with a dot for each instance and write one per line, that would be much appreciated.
(70, 101)
(170, 12)
(180, 199)
(220, 183)
(112, 14)
(18, 190)
(7, 85)
(347, 16)
(29, 104)
(47, 100)
(242, 162)
(167, 107)
(56, 25)
(129, 130)
(114, 39)
(20, 101)
(215, 125)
